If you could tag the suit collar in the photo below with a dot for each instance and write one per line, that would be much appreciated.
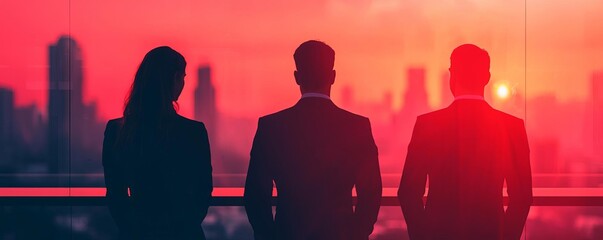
(317, 95)
(314, 101)
(469, 97)
(470, 102)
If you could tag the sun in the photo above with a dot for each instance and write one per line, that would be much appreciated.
(502, 91)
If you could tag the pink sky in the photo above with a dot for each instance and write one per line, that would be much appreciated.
(250, 44)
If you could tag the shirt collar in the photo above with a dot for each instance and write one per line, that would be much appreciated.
(470, 97)
(318, 95)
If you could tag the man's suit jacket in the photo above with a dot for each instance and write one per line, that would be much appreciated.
(315, 153)
(168, 176)
(467, 150)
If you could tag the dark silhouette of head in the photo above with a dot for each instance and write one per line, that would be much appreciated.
(469, 70)
(314, 61)
(154, 92)
(157, 84)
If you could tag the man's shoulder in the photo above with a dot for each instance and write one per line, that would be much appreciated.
(448, 112)
(275, 116)
(352, 117)
(435, 115)
(288, 112)
(506, 116)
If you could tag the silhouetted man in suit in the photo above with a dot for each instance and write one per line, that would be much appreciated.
(315, 153)
(468, 150)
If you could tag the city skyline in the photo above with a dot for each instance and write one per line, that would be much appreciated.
(252, 62)
(341, 91)
(78, 130)
(67, 66)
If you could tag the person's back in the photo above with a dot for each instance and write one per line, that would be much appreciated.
(470, 153)
(468, 150)
(316, 153)
(169, 179)
(162, 161)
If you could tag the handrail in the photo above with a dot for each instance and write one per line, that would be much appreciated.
(228, 196)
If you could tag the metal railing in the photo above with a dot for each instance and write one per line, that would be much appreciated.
(231, 196)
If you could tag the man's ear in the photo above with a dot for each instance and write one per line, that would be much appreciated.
(452, 82)
(488, 79)
(297, 76)
(334, 73)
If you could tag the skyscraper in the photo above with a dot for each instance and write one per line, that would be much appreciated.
(347, 97)
(415, 98)
(7, 110)
(205, 102)
(415, 104)
(29, 128)
(64, 100)
(445, 94)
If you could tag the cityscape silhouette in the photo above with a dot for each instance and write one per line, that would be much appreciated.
(66, 68)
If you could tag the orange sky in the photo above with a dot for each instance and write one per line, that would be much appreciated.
(250, 45)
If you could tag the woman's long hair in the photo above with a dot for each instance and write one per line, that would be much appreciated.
(151, 101)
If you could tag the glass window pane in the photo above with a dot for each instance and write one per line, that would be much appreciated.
(563, 93)
(67, 68)
(31, 155)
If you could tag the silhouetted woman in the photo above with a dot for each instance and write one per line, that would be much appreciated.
(162, 158)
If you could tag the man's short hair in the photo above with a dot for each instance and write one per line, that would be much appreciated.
(314, 57)
(470, 57)
(471, 65)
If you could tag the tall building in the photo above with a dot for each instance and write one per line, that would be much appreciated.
(74, 135)
(29, 127)
(415, 98)
(64, 100)
(544, 155)
(446, 97)
(205, 102)
(347, 97)
(597, 104)
(7, 110)
(415, 104)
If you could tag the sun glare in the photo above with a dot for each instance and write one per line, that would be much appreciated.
(503, 91)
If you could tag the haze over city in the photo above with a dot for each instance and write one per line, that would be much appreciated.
(392, 60)
(250, 46)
